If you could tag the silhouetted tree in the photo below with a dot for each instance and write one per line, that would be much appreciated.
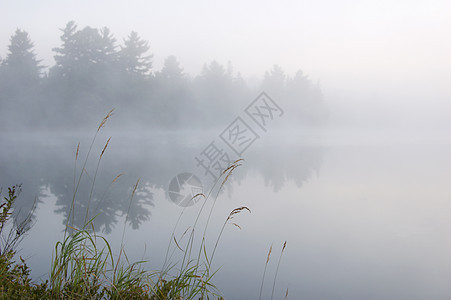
(85, 73)
(220, 93)
(134, 87)
(84, 52)
(213, 92)
(302, 100)
(172, 96)
(66, 57)
(20, 74)
(92, 74)
(20, 64)
(171, 70)
(274, 82)
(133, 56)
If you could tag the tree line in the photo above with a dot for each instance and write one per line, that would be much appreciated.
(93, 73)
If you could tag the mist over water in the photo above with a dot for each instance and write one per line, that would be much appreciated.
(346, 154)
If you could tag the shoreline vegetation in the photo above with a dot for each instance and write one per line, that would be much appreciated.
(84, 265)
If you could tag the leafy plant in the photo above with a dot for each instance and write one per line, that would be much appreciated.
(9, 239)
(84, 266)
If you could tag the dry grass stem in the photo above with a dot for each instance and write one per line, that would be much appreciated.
(269, 254)
(135, 187)
(264, 271)
(235, 224)
(117, 177)
(109, 114)
(78, 148)
(237, 211)
(178, 246)
(277, 269)
(104, 148)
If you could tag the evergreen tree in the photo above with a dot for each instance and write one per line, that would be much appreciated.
(20, 65)
(171, 70)
(66, 57)
(20, 74)
(214, 92)
(133, 56)
(171, 96)
(274, 82)
(84, 77)
(84, 52)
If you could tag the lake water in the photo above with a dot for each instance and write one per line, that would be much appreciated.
(366, 214)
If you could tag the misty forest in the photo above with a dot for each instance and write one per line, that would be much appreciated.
(45, 108)
(93, 72)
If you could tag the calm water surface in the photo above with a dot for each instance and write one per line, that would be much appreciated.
(366, 215)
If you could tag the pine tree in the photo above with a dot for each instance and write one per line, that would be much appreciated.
(133, 56)
(66, 57)
(20, 65)
(171, 70)
(20, 75)
(84, 53)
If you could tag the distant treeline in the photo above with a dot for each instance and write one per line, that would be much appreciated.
(93, 73)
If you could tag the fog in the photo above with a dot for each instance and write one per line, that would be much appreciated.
(348, 162)
(378, 55)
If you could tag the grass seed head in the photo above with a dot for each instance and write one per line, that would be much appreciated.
(78, 148)
(108, 115)
(104, 148)
(116, 178)
(269, 254)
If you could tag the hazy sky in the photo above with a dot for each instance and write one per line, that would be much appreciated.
(358, 45)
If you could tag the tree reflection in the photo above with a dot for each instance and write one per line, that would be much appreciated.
(49, 171)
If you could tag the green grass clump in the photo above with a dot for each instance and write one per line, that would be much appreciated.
(84, 266)
(15, 282)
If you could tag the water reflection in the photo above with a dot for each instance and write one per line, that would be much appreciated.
(46, 166)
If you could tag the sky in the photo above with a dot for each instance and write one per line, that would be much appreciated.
(358, 49)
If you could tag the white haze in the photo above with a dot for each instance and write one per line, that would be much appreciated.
(383, 57)
(384, 67)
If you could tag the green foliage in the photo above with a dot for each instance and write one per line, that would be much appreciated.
(14, 278)
(10, 238)
(15, 282)
(81, 269)
(6, 206)
(84, 267)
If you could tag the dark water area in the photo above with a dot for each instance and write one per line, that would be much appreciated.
(365, 214)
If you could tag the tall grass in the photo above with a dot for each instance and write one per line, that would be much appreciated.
(264, 271)
(194, 275)
(277, 271)
(84, 265)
